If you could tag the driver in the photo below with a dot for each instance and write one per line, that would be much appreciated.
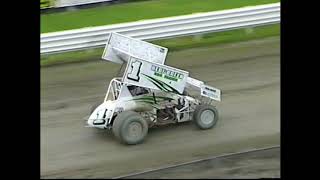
(136, 90)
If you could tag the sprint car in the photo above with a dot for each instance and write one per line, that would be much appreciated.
(149, 93)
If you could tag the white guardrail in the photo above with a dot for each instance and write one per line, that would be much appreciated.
(85, 38)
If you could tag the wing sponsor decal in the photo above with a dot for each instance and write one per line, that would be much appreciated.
(135, 71)
(155, 76)
(161, 85)
(211, 92)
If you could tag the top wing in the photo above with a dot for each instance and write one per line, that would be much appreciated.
(119, 48)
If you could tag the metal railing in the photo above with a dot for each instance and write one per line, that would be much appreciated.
(93, 37)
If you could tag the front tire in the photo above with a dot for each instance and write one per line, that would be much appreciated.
(205, 116)
(130, 127)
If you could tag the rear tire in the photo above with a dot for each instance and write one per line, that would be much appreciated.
(205, 116)
(130, 127)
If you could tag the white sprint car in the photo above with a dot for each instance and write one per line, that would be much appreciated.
(150, 93)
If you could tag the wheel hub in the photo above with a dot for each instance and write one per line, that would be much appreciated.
(135, 129)
(207, 116)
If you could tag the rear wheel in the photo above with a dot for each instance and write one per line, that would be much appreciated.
(130, 127)
(205, 116)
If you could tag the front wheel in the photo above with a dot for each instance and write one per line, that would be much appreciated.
(130, 127)
(205, 116)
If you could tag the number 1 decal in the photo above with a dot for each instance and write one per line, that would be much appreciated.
(135, 70)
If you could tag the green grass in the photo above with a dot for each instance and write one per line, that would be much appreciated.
(134, 11)
(174, 44)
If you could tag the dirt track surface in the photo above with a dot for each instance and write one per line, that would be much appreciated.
(248, 74)
(252, 165)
